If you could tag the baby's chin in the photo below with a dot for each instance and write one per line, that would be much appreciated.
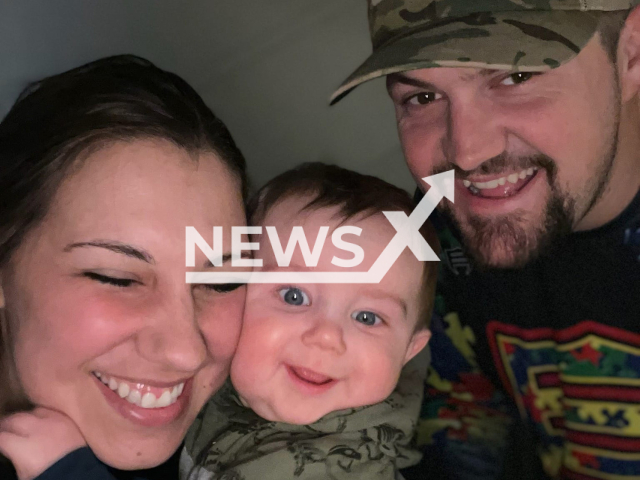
(294, 418)
(274, 413)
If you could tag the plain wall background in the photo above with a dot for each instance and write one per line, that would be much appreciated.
(266, 67)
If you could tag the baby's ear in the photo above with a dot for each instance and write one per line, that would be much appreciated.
(418, 341)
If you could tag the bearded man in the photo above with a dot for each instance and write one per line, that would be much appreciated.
(536, 340)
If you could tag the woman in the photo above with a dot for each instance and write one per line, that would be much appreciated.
(101, 170)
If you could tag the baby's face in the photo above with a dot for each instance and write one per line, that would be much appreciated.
(310, 349)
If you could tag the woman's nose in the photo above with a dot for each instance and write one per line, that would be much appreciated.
(172, 336)
(326, 335)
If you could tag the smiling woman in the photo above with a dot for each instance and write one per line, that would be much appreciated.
(101, 170)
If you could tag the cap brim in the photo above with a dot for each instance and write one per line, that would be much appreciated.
(523, 40)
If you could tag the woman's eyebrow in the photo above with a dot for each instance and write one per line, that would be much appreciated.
(117, 247)
(226, 257)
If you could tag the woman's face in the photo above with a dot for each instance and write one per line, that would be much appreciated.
(104, 327)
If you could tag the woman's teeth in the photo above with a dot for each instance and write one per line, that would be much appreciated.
(513, 178)
(163, 397)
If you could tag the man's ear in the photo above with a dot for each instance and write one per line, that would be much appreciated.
(419, 340)
(629, 56)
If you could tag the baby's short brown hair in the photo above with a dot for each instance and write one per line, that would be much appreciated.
(354, 194)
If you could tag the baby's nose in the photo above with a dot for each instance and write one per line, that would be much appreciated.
(327, 335)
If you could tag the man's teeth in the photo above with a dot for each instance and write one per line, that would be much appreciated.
(513, 178)
(144, 400)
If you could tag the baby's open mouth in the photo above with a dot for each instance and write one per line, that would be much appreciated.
(142, 395)
(502, 187)
(309, 376)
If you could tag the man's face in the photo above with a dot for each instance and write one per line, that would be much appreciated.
(310, 349)
(532, 152)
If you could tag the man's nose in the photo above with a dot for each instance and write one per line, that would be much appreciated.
(475, 134)
(172, 337)
(325, 334)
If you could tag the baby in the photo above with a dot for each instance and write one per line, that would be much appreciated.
(316, 388)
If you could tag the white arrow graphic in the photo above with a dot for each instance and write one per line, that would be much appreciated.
(407, 236)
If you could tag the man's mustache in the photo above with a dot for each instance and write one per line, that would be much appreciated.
(503, 163)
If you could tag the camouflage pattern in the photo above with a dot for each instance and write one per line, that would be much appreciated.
(518, 35)
(230, 442)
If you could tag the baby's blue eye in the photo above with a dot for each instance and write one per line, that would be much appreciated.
(294, 296)
(366, 318)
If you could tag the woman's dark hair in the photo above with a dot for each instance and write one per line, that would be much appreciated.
(57, 121)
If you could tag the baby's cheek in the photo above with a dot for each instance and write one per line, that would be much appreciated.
(264, 333)
(379, 373)
(221, 326)
(262, 340)
(254, 351)
(246, 375)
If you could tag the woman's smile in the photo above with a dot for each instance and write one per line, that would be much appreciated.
(143, 403)
(142, 393)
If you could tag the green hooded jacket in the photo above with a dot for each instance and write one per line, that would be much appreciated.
(230, 442)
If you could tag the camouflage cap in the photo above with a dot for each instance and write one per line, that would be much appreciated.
(526, 35)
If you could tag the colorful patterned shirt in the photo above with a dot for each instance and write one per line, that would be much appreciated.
(537, 367)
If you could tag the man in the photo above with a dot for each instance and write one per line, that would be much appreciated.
(536, 351)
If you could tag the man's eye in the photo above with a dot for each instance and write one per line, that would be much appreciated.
(223, 287)
(294, 296)
(518, 78)
(118, 282)
(423, 98)
(366, 318)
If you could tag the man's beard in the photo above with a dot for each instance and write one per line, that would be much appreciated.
(513, 240)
